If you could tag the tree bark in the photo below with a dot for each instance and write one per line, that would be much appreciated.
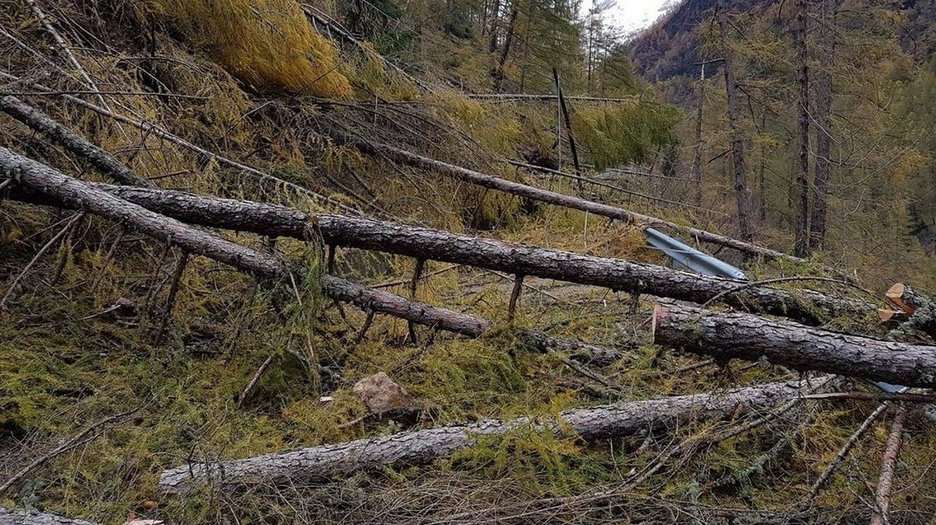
(73, 142)
(71, 193)
(633, 277)
(695, 171)
(737, 140)
(499, 75)
(23, 517)
(882, 495)
(734, 335)
(424, 446)
(75, 194)
(823, 176)
(801, 226)
(549, 197)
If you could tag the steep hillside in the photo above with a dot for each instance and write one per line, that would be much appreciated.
(387, 262)
(671, 46)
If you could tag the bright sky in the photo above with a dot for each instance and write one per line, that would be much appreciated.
(631, 15)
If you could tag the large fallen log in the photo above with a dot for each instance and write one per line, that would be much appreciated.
(73, 142)
(76, 194)
(744, 336)
(424, 446)
(515, 188)
(56, 188)
(31, 517)
(456, 322)
(920, 308)
(424, 243)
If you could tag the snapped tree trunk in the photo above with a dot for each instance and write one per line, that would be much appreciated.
(801, 226)
(59, 189)
(826, 37)
(882, 495)
(737, 140)
(744, 336)
(424, 446)
(550, 197)
(424, 243)
(30, 517)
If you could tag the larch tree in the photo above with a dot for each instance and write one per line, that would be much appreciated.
(745, 231)
(825, 49)
(801, 247)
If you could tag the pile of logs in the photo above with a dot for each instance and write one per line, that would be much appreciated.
(186, 220)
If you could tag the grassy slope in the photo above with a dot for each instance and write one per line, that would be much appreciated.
(63, 367)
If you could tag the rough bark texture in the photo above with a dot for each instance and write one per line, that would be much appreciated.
(744, 336)
(424, 446)
(801, 226)
(826, 39)
(73, 142)
(23, 517)
(633, 277)
(444, 319)
(549, 197)
(737, 140)
(882, 496)
(53, 187)
(78, 195)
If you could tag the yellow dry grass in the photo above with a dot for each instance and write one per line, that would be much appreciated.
(267, 44)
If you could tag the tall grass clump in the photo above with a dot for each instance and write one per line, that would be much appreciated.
(267, 44)
(625, 133)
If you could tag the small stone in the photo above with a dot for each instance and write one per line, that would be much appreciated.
(380, 393)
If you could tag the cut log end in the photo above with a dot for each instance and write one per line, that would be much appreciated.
(659, 311)
(889, 316)
(897, 295)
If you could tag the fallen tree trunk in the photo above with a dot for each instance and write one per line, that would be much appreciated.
(882, 495)
(424, 243)
(920, 308)
(465, 324)
(906, 298)
(424, 446)
(55, 188)
(550, 197)
(73, 142)
(75, 194)
(23, 517)
(733, 335)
